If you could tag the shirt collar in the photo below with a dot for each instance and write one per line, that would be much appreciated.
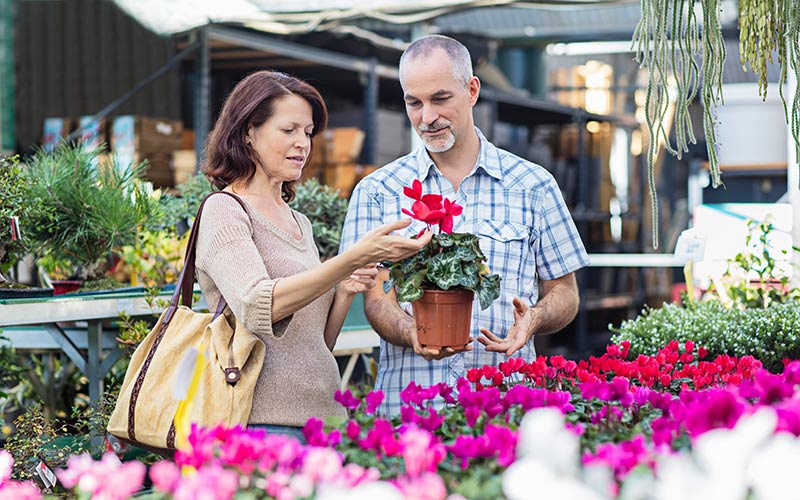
(488, 159)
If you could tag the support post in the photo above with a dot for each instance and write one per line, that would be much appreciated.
(371, 99)
(202, 95)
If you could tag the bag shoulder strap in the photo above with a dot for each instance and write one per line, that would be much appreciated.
(185, 285)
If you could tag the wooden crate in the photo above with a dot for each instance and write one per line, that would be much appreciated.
(146, 135)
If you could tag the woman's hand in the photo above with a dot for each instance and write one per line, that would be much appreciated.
(381, 245)
(360, 281)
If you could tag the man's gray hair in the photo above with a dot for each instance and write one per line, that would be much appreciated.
(458, 55)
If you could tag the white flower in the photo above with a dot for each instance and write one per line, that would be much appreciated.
(547, 460)
(375, 489)
(773, 469)
(542, 435)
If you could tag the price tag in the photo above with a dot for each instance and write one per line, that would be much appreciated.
(690, 246)
(46, 474)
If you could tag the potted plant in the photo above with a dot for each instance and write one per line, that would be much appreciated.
(94, 206)
(17, 208)
(441, 280)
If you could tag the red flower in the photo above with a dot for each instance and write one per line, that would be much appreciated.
(433, 201)
(423, 212)
(429, 209)
(451, 209)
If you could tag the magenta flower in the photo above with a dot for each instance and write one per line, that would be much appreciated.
(712, 409)
(347, 399)
(352, 430)
(374, 400)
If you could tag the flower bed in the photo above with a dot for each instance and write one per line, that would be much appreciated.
(612, 426)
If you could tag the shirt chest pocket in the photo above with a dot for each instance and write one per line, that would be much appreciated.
(506, 246)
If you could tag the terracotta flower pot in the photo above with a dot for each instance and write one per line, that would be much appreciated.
(443, 317)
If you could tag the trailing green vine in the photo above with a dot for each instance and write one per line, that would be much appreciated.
(667, 41)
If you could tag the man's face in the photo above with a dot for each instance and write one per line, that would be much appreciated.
(438, 105)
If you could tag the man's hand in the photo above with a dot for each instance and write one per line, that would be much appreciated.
(518, 335)
(362, 279)
(433, 353)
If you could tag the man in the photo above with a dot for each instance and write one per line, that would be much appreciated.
(514, 206)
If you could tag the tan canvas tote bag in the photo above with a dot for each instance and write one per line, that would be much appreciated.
(146, 406)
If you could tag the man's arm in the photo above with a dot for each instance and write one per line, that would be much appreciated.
(386, 316)
(394, 325)
(558, 306)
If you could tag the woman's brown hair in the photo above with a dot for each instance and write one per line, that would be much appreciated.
(251, 103)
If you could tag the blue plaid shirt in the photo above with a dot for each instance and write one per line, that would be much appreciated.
(516, 209)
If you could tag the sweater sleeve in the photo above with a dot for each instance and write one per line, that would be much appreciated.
(227, 254)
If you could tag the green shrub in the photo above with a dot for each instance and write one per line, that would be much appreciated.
(326, 210)
(770, 334)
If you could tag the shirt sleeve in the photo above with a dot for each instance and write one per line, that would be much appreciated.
(227, 254)
(363, 215)
(559, 248)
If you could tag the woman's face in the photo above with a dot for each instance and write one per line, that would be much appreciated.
(283, 142)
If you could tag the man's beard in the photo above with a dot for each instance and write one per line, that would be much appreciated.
(434, 144)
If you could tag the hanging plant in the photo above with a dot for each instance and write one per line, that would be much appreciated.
(668, 39)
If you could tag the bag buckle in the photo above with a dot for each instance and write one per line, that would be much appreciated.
(232, 375)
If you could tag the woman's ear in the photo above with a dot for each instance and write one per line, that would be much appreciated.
(248, 138)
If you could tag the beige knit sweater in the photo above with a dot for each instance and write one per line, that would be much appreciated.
(243, 261)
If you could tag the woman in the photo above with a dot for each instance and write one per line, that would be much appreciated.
(265, 263)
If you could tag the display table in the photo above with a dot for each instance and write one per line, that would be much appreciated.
(37, 324)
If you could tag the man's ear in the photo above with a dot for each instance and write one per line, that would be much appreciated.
(473, 90)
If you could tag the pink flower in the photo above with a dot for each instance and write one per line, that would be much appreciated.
(210, 483)
(6, 466)
(108, 478)
(165, 475)
(421, 451)
(428, 486)
(15, 490)
(322, 464)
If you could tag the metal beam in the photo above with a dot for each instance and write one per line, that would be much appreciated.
(290, 49)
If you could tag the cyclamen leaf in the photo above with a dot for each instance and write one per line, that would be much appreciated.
(488, 290)
(407, 292)
(444, 271)
(469, 277)
(466, 254)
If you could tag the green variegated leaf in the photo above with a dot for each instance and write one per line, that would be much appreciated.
(465, 254)
(488, 290)
(469, 277)
(410, 264)
(445, 239)
(407, 292)
(444, 270)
